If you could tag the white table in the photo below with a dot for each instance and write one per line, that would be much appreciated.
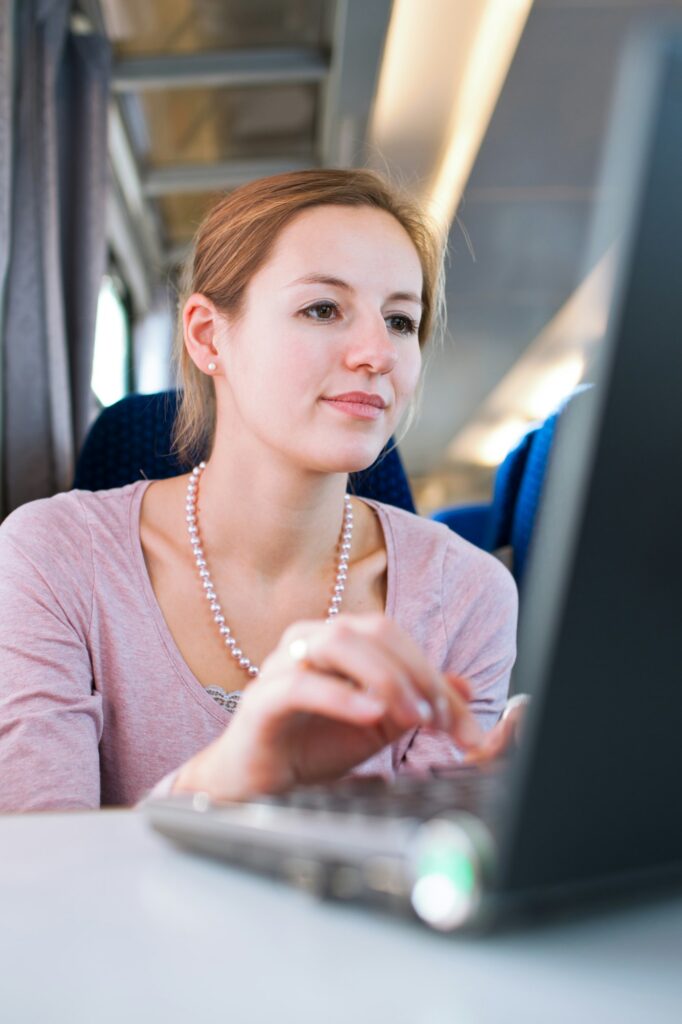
(103, 921)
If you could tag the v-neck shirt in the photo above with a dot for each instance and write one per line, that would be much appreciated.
(97, 703)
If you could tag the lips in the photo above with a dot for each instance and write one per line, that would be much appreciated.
(359, 398)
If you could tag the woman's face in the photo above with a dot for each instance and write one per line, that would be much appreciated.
(334, 312)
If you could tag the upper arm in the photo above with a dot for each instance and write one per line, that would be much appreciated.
(480, 609)
(50, 719)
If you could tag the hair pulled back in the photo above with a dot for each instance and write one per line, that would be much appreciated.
(236, 238)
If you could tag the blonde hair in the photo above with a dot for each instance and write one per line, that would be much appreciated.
(236, 238)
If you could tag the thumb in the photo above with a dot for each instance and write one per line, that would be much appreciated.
(459, 684)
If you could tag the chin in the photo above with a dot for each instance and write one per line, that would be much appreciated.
(351, 458)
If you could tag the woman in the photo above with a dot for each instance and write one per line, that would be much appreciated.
(246, 627)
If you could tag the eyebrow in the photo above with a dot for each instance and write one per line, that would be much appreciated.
(336, 282)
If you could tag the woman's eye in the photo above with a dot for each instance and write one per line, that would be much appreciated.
(401, 324)
(321, 311)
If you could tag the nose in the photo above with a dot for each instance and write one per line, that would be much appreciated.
(372, 346)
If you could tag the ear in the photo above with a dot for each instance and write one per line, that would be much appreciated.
(202, 324)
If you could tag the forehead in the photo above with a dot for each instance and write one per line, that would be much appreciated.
(362, 244)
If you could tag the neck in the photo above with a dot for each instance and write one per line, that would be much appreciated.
(270, 518)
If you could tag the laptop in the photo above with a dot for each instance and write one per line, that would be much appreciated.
(589, 801)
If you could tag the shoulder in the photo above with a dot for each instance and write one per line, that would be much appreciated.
(44, 521)
(432, 553)
(408, 532)
(59, 529)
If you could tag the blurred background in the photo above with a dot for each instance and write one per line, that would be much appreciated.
(492, 111)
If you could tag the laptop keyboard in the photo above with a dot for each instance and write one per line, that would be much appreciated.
(359, 838)
(420, 797)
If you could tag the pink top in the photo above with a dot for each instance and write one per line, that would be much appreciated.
(96, 702)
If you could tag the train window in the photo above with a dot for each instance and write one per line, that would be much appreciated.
(111, 362)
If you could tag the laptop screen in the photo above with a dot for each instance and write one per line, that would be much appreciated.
(600, 769)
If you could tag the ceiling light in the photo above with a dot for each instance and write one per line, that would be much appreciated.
(499, 29)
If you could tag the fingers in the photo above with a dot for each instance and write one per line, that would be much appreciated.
(361, 658)
(449, 696)
(494, 744)
(370, 666)
(461, 685)
(374, 654)
(428, 683)
(466, 729)
(320, 694)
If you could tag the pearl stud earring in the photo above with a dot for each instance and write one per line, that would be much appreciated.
(212, 366)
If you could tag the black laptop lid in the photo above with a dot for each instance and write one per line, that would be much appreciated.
(599, 775)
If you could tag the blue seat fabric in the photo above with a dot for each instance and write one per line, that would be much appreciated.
(509, 519)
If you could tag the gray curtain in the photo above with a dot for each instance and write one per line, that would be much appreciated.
(55, 86)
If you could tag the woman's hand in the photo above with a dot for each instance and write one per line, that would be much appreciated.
(504, 735)
(327, 698)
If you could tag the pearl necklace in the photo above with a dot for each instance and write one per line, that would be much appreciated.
(232, 647)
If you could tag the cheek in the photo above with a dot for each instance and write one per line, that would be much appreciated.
(307, 359)
(289, 369)
(263, 360)
(408, 373)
